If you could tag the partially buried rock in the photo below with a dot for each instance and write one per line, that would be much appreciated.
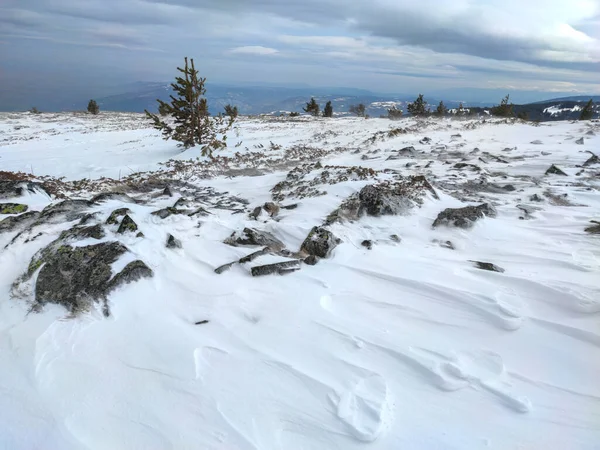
(555, 170)
(592, 160)
(173, 242)
(594, 229)
(134, 271)
(166, 212)
(271, 208)
(252, 237)
(280, 268)
(393, 198)
(113, 219)
(509, 188)
(127, 224)
(311, 260)
(579, 141)
(319, 242)
(488, 266)
(10, 188)
(464, 217)
(17, 222)
(13, 208)
(367, 244)
(536, 198)
(395, 238)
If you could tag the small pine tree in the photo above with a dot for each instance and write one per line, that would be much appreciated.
(588, 111)
(231, 111)
(328, 110)
(418, 107)
(523, 115)
(504, 109)
(163, 110)
(294, 114)
(394, 113)
(189, 109)
(441, 110)
(358, 110)
(461, 110)
(312, 107)
(34, 110)
(93, 107)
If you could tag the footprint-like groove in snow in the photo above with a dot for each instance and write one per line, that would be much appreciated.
(365, 408)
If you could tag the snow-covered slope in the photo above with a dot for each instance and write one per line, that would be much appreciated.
(407, 345)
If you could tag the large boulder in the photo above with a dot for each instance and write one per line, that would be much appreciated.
(252, 237)
(319, 242)
(464, 217)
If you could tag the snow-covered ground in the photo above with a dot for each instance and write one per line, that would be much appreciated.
(404, 346)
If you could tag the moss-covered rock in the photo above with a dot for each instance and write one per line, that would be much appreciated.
(13, 208)
(464, 217)
(127, 224)
(319, 242)
(170, 211)
(12, 223)
(113, 219)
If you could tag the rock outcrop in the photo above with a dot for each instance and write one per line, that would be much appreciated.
(464, 217)
(319, 242)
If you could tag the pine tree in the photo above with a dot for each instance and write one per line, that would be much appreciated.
(328, 110)
(504, 109)
(312, 107)
(418, 107)
(523, 115)
(192, 124)
(231, 111)
(588, 111)
(358, 110)
(93, 107)
(394, 113)
(461, 110)
(34, 110)
(441, 110)
(163, 110)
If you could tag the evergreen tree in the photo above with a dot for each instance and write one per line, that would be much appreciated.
(192, 124)
(312, 107)
(504, 109)
(523, 115)
(394, 113)
(231, 111)
(294, 114)
(418, 107)
(93, 107)
(588, 111)
(163, 110)
(441, 110)
(34, 110)
(461, 110)
(358, 110)
(328, 110)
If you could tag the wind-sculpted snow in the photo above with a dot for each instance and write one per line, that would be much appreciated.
(309, 301)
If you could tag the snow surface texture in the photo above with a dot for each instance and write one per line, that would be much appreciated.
(405, 346)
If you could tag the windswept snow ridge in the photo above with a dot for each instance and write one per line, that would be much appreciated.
(294, 293)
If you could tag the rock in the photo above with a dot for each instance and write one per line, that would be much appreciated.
(17, 222)
(554, 170)
(367, 244)
(169, 211)
(225, 267)
(592, 160)
(13, 208)
(10, 188)
(199, 212)
(271, 208)
(473, 167)
(407, 151)
(113, 219)
(392, 198)
(590, 133)
(173, 242)
(79, 233)
(464, 217)
(105, 196)
(395, 238)
(167, 191)
(579, 141)
(594, 229)
(536, 198)
(292, 206)
(447, 244)
(134, 271)
(425, 140)
(280, 268)
(509, 188)
(256, 212)
(546, 153)
(319, 242)
(76, 276)
(253, 256)
(536, 142)
(311, 260)
(127, 224)
(140, 235)
(251, 237)
(87, 218)
(488, 266)
(65, 211)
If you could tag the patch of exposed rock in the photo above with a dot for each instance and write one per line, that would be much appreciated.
(319, 242)
(252, 237)
(464, 217)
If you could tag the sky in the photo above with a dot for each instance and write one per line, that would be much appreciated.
(398, 46)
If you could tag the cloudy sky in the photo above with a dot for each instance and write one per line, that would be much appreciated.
(381, 45)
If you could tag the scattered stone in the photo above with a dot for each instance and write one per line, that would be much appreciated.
(13, 208)
(252, 237)
(65, 211)
(252, 256)
(87, 218)
(579, 141)
(225, 267)
(199, 212)
(134, 271)
(271, 208)
(407, 151)
(395, 238)
(280, 268)
(319, 242)
(488, 266)
(170, 211)
(202, 322)
(113, 219)
(16, 222)
(509, 187)
(167, 191)
(527, 211)
(256, 212)
(594, 229)
(546, 153)
(555, 170)
(472, 167)
(9, 188)
(536, 198)
(456, 136)
(591, 133)
(173, 242)
(464, 217)
(292, 206)
(311, 260)
(536, 142)
(105, 196)
(444, 244)
(127, 224)
(425, 140)
(140, 235)
(367, 244)
(592, 160)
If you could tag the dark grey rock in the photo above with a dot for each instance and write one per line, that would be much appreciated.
(173, 242)
(580, 141)
(87, 218)
(252, 237)
(392, 198)
(319, 242)
(127, 224)
(292, 206)
(199, 212)
(271, 208)
(367, 244)
(594, 229)
(536, 142)
(254, 255)
(105, 196)
(311, 260)
(21, 221)
(256, 212)
(488, 266)
(13, 208)
(592, 160)
(169, 211)
(140, 235)
(225, 267)
(10, 188)
(536, 198)
(425, 140)
(464, 217)
(134, 271)
(113, 219)
(395, 238)
(167, 191)
(65, 211)
(509, 188)
(473, 167)
(555, 170)
(279, 268)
